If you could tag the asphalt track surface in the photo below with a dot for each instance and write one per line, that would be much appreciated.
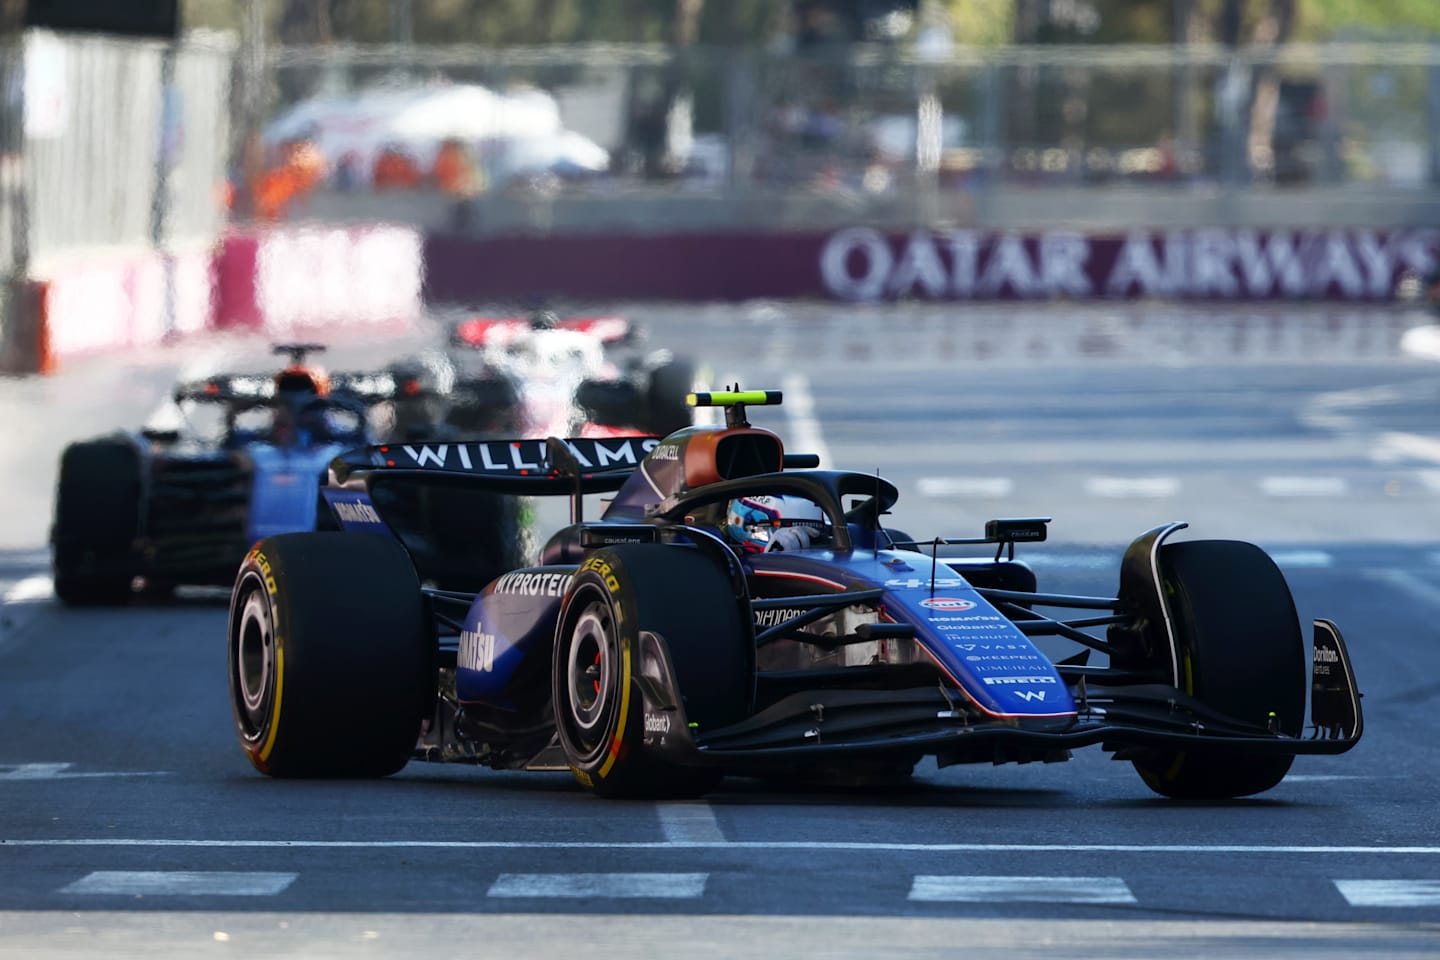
(131, 825)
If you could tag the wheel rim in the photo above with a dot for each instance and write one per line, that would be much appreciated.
(254, 666)
(589, 676)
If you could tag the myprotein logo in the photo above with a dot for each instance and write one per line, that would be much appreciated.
(947, 603)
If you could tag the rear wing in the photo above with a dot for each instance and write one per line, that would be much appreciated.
(258, 389)
(577, 465)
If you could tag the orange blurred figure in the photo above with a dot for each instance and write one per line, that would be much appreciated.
(454, 170)
(395, 170)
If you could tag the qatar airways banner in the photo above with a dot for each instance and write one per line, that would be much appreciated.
(864, 264)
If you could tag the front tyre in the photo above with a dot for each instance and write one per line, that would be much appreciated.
(332, 664)
(680, 594)
(97, 520)
(1241, 653)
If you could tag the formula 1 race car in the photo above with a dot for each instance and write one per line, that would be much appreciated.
(543, 375)
(736, 611)
(244, 458)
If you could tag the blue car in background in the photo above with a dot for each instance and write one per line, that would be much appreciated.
(246, 459)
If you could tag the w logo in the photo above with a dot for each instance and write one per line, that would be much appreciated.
(1030, 696)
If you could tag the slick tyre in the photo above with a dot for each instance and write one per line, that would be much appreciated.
(683, 596)
(670, 386)
(97, 519)
(1242, 654)
(331, 658)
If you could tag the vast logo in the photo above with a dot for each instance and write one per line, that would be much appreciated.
(948, 603)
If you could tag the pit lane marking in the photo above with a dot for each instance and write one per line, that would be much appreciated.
(589, 886)
(859, 846)
(980, 889)
(1390, 893)
(182, 883)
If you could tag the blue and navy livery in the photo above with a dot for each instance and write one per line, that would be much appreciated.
(859, 647)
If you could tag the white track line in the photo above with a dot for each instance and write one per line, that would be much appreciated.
(1132, 487)
(185, 883)
(1390, 893)
(590, 886)
(815, 845)
(1303, 486)
(688, 822)
(805, 432)
(941, 889)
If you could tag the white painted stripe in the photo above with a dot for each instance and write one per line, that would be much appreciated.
(152, 883)
(689, 821)
(1303, 486)
(805, 432)
(664, 886)
(1390, 893)
(30, 589)
(62, 771)
(818, 845)
(1123, 487)
(1397, 445)
(965, 486)
(1302, 558)
(1021, 890)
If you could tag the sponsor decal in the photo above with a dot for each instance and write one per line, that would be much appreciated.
(948, 603)
(666, 451)
(1007, 681)
(967, 647)
(657, 723)
(533, 584)
(769, 618)
(1030, 696)
(1001, 657)
(527, 456)
(943, 583)
(990, 617)
(861, 263)
(612, 583)
(356, 512)
(477, 651)
(1325, 654)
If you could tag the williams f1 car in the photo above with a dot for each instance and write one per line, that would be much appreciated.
(243, 458)
(735, 610)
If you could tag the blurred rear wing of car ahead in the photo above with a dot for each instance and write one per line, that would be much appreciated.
(549, 467)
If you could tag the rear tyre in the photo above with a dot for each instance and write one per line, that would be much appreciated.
(332, 662)
(680, 594)
(97, 519)
(1242, 654)
(670, 386)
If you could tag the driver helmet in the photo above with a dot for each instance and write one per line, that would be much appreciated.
(773, 522)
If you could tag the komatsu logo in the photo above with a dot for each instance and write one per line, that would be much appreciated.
(356, 513)
(477, 651)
